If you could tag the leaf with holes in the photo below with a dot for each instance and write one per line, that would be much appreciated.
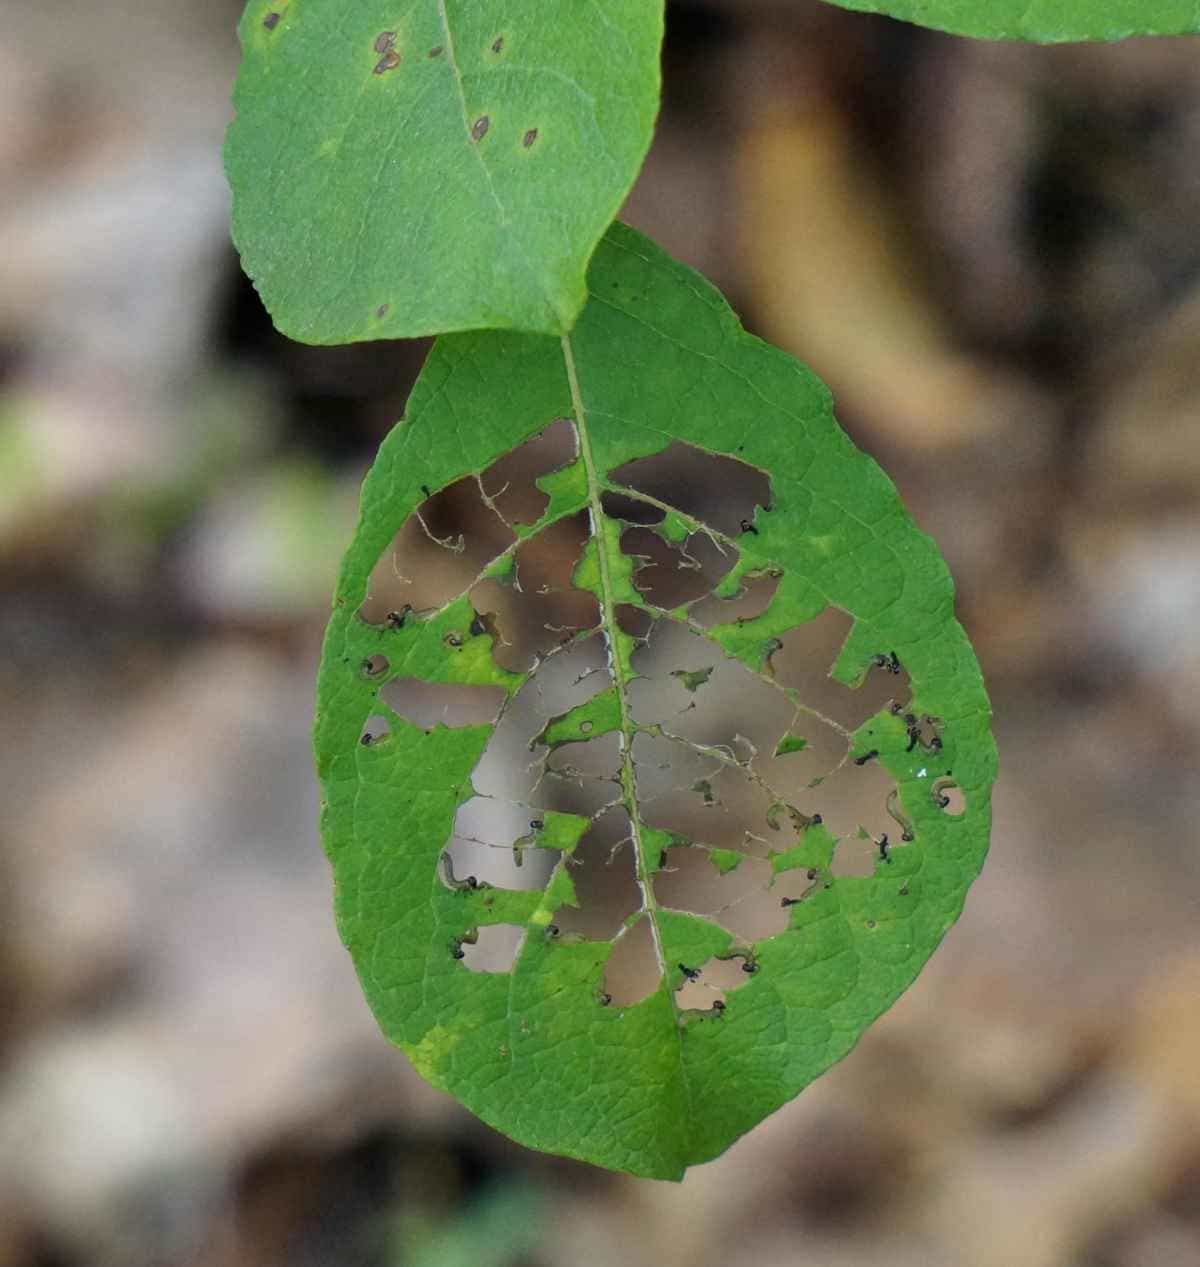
(655, 763)
(401, 170)
(1042, 21)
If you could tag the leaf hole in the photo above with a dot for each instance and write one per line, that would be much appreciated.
(375, 665)
(438, 553)
(803, 662)
(429, 704)
(511, 482)
(493, 841)
(452, 537)
(715, 489)
(856, 855)
(375, 729)
(755, 596)
(949, 798)
(541, 611)
(602, 870)
(631, 510)
(857, 801)
(712, 982)
(672, 575)
(583, 777)
(631, 972)
(737, 900)
(495, 948)
(635, 621)
(511, 767)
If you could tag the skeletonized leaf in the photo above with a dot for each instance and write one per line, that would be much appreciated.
(593, 791)
(434, 166)
(1042, 21)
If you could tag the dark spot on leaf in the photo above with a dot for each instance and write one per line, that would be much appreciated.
(454, 639)
(436, 51)
(536, 824)
(718, 1007)
(271, 21)
(480, 127)
(478, 626)
(498, 44)
(389, 61)
(385, 41)
(530, 137)
(888, 662)
(749, 967)
(747, 526)
(692, 974)
(425, 490)
(367, 740)
(382, 311)
(395, 620)
(870, 923)
(605, 999)
(867, 756)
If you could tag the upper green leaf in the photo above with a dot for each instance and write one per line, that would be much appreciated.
(680, 743)
(437, 165)
(1042, 21)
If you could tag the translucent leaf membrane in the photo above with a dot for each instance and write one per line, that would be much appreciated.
(1042, 21)
(638, 661)
(441, 165)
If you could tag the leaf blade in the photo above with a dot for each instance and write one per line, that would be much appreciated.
(658, 357)
(462, 187)
(1042, 21)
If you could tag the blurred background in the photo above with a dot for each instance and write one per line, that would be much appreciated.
(990, 253)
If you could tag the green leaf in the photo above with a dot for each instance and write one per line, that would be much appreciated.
(435, 166)
(1042, 21)
(540, 1051)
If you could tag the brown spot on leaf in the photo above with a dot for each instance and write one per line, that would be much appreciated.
(498, 44)
(436, 52)
(389, 61)
(271, 21)
(385, 41)
(480, 127)
(530, 137)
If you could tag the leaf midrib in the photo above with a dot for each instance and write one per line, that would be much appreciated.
(608, 615)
